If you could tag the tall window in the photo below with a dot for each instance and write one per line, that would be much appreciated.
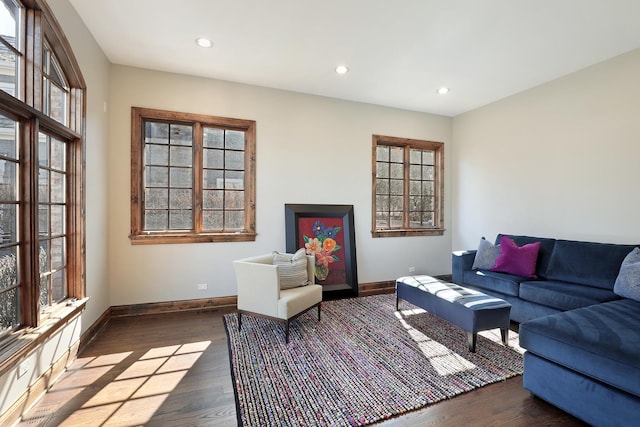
(193, 178)
(407, 187)
(41, 171)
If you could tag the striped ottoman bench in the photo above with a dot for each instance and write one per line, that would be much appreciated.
(468, 309)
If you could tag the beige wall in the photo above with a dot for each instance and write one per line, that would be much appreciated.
(310, 149)
(560, 160)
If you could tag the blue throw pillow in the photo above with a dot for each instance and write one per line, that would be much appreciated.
(627, 283)
(486, 255)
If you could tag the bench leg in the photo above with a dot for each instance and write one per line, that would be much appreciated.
(505, 336)
(472, 338)
(397, 303)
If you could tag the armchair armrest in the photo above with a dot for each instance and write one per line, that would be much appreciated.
(461, 261)
(258, 285)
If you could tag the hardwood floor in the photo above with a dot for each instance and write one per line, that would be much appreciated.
(173, 370)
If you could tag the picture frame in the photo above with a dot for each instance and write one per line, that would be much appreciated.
(327, 232)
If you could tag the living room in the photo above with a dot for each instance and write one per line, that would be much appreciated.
(557, 159)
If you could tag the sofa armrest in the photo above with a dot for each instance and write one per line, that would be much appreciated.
(461, 261)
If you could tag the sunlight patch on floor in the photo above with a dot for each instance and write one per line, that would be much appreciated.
(442, 359)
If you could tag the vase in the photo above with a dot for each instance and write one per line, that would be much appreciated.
(322, 272)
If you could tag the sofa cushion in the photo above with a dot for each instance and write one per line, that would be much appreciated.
(503, 283)
(486, 255)
(544, 253)
(587, 263)
(627, 283)
(601, 341)
(518, 260)
(562, 295)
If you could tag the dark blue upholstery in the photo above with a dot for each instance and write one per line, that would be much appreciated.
(586, 263)
(504, 283)
(562, 295)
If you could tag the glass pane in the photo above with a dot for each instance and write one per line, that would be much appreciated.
(58, 286)
(428, 157)
(234, 140)
(8, 17)
(213, 138)
(415, 156)
(382, 219)
(57, 187)
(428, 188)
(58, 254)
(212, 220)
(8, 268)
(382, 203)
(212, 199)
(180, 199)
(156, 176)
(181, 156)
(43, 185)
(415, 187)
(43, 257)
(234, 180)
(8, 135)
(180, 219)
(43, 150)
(57, 154)
(397, 171)
(180, 177)
(44, 290)
(157, 133)
(213, 159)
(156, 220)
(395, 220)
(57, 220)
(415, 172)
(8, 181)
(397, 187)
(427, 203)
(397, 154)
(382, 170)
(395, 202)
(43, 220)
(8, 223)
(156, 198)
(382, 186)
(213, 179)
(234, 160)
(57, 103)
(428, 172)
(10, 309)
(181, 134)
(234, 200)
(382, 153)
(156, 155)
(234, 220)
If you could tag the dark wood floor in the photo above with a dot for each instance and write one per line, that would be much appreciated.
(173, 370)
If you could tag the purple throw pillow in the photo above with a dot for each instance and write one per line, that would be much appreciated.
(518, 260)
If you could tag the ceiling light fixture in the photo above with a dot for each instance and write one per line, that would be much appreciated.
(342, 69)
(443, 90)
(204, 42)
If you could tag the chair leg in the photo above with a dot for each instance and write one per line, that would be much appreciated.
(319, 305)
(286, 332)
(239, 321)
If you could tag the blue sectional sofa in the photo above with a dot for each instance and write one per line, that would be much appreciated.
(582, 338)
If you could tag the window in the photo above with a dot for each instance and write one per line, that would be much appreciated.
(193, 178)
(407, 187)
(41, 172)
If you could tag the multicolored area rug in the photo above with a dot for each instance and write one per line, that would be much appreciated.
(363, 362)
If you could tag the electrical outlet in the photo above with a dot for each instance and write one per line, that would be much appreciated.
(23, 368)
(202, 286)
(412, 269)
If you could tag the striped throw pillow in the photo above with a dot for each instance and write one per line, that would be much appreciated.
(292, 269)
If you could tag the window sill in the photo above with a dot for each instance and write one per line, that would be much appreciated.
(408, 232)
(156, 239)
(21, 343)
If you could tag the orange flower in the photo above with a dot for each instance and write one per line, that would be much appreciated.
(329, 244)
(324, 258)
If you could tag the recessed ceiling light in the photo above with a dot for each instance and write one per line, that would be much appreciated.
(443, 90)
(204, 42)
(342, 69)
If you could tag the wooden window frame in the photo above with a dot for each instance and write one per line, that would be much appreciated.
(39, 26)
(140, 236)
(407, 144)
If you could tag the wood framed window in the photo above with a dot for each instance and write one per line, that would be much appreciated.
(408, 186)
(192, 178)
(41, 176)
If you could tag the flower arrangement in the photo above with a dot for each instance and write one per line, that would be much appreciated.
(322, 246)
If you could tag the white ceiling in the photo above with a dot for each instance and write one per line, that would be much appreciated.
(398, 52)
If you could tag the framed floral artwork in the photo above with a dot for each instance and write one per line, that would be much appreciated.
(327, 233)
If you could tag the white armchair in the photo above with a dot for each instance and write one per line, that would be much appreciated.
(259, 292)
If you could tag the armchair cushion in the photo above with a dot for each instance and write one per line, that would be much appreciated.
(292, 269)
